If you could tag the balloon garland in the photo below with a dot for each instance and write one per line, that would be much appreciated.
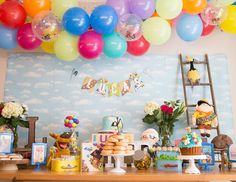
(62, 28)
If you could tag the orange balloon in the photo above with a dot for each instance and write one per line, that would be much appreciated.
(194, 6)
(33, 7)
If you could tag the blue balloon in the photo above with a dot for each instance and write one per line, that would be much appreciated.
(7, 38)
(104, 19)
(189, 27)
(75, 21)
(115, 46)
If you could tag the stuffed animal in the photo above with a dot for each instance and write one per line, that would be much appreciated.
(193, 73)
(204, 117)
(61, 146)
(150, 136)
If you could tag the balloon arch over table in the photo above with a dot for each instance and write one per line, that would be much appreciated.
(62, 28)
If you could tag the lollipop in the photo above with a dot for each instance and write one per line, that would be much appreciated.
(71, 122)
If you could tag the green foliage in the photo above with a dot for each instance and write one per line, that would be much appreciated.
(166, 157)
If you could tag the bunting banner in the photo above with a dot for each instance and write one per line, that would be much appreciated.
(106, 88)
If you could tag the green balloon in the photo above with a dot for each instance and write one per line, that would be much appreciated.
(59, 7)
(115, 46)
(65, 47)
(156, 30)
(169, 9)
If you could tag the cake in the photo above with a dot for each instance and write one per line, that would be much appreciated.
(117, 144)
(191, 144)
(111, 124)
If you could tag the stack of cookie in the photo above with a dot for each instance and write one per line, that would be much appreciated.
(11, 156)
(117, 144)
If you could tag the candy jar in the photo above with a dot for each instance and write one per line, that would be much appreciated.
(142, 159)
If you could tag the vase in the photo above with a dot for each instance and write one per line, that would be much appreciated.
(166, 141)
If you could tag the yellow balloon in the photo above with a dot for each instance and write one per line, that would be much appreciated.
(229, 25)
(156, 30)
(65, 47)
(59, 7)
(48, 47)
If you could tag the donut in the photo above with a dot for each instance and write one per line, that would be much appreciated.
(107, 147)
(113, 140)
(120, 148)
(170, 149)
(107, 152)
(119, 152)
(109, 144)
(119, 137)
(121, 143)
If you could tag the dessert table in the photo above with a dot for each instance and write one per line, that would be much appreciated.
(131, 175)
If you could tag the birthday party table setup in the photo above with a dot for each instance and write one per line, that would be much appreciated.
(106, 110)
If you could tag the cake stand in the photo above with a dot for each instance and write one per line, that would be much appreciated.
(117, 158)
(192, 169)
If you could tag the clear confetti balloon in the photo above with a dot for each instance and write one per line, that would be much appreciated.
(130, 27)
(46, 26)
(214, 15)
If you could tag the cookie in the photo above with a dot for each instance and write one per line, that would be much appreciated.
(121, 144)
(107, 147)
(124, 140)
(107, 152)
(120, 148)
(129, 147)
(119, 137)
(109, 144)
(129, 152)
(119, 152)
(112, 140)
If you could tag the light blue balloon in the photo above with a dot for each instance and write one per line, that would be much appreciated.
(115, 46)
(75, 21)
(7, 38)
(189, 27)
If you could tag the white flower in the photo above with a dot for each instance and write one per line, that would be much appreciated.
(150, 107)
(25, 107)
(12, 109)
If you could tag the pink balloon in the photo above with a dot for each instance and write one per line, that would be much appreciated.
(26, 38)
(90, 45)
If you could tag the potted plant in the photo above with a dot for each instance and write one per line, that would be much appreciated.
(12, 115)
(164, 117)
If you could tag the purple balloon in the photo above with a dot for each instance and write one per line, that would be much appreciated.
(121, 6)
(26, 38)
(142, 8)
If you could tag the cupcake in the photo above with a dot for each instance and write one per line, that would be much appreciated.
(191, 144)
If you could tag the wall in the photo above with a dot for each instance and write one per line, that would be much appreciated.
(218, 42)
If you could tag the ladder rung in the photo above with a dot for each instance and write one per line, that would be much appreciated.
(191, 105)
(197, 62)
(195, 128)
(200, 84)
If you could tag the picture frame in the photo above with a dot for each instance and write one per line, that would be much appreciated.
(39, 154)
(208, 150)
(6, 142)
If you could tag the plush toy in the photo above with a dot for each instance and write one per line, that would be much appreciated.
(204, 117)
(150, 136)
(61, 146)
(193, 73)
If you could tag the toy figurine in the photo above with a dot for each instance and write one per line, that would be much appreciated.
(118, 124)
(150, 136)
(61, 146)
(193, 73)
(204, 117)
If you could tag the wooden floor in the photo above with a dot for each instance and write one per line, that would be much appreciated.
(131, 175)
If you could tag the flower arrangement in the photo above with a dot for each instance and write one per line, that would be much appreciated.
(12, 115)
(164, 117)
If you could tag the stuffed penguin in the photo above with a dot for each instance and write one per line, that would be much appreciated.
(193, 74)
(204, 117)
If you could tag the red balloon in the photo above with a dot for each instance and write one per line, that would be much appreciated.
(207, 29)
(12, 14)
(138, 47)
